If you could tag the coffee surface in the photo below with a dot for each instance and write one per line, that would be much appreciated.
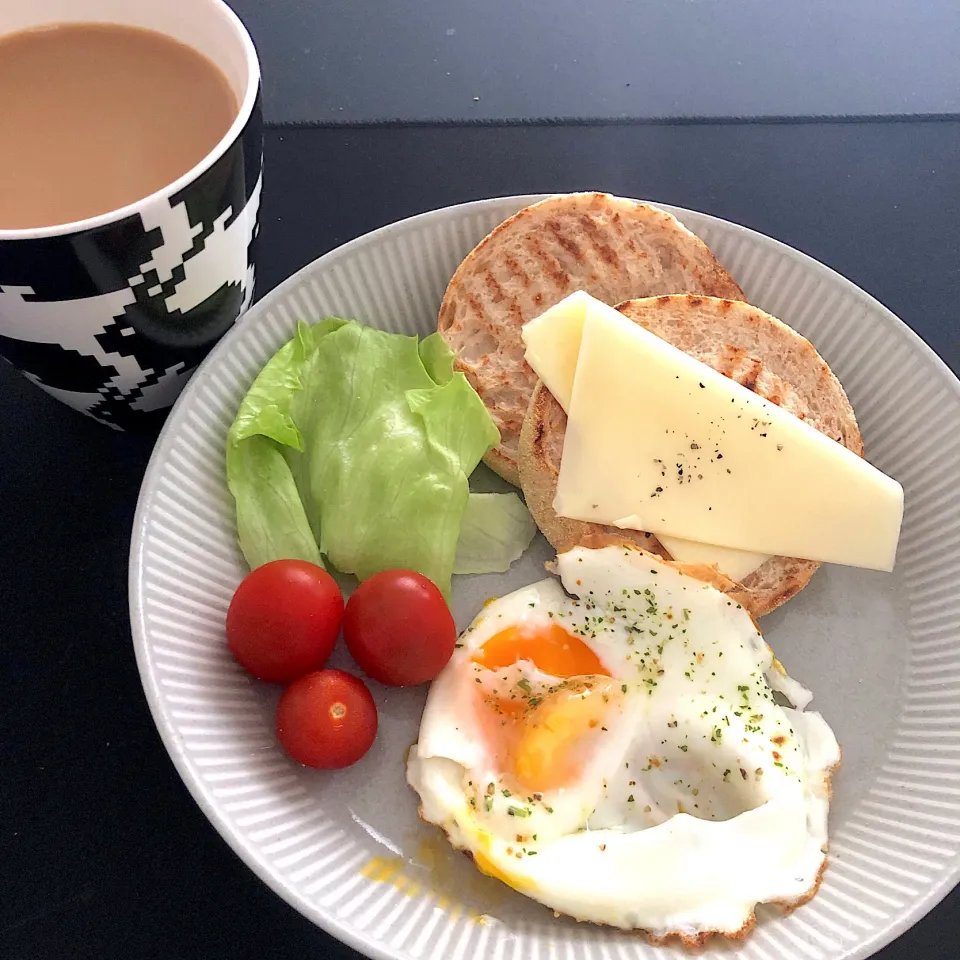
(96, 116)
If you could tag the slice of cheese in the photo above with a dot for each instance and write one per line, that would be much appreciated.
(553, 344)
(658, 441)
(736, 564)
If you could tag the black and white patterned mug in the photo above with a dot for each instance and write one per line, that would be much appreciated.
(112, 314)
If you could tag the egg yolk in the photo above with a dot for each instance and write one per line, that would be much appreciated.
(550, 649)
(543, 738)
(556, 735)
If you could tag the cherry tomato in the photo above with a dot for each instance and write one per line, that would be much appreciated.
(326, 719)
(399, 628)
(284, 619)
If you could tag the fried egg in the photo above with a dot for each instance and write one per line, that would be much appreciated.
(618, 750)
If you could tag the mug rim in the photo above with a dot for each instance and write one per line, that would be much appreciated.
(236, 127)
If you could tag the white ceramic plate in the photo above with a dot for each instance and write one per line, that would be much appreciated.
(881, 653)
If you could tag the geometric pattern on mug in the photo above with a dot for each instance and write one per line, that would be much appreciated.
(196, 270)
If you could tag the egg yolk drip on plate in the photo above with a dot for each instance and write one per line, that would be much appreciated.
(620, 755)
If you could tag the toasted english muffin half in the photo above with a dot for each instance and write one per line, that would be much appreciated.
(740, 341)
(612, 248)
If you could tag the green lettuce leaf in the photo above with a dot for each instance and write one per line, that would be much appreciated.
(360, 442)
(437, 358)
(495, 530)
(387, 453)
(271, 522)
(265, 409)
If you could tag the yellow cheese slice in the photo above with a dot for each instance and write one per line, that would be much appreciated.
(658, 441)
(736, 564)
(552, 343)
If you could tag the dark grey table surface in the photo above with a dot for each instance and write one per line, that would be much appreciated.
(103, 854)
(367, 60)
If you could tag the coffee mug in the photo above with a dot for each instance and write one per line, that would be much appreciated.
(112, 314)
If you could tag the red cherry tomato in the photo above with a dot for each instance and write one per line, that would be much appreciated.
(284, 619)
(326, 719)
(399, 628)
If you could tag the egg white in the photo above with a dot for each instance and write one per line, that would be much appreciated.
(703, 797)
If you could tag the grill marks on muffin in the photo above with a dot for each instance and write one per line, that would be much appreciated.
(613, 248)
